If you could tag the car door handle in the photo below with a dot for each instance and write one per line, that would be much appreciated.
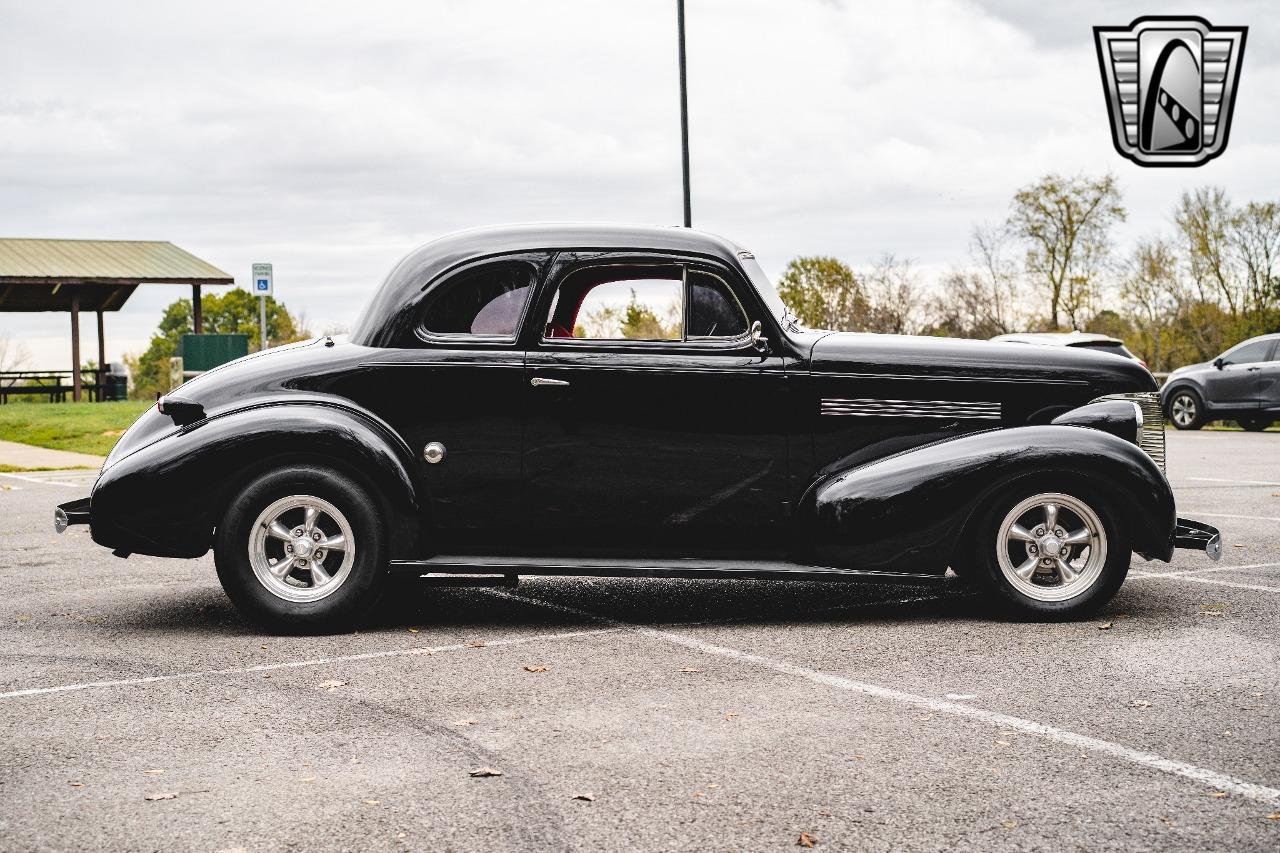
(539, 381)
(1252, 369)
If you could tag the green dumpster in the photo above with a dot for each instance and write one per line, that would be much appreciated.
(205, 352)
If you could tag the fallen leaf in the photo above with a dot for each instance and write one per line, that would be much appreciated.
(168, 795)
(1236, 546)
(485, 772)
(263, 646)
(1218, 794)
(332, 684)
(476, 644)
(590, 798)
(698, 794)
(689, 669)
(154, 772)
(372, 802)
(307, 779)
(857, 757)
(1008, 824)
(1105, 626)
(1002, 743)
(1122, 615)
(413, 630)
(712, 785)
(729, 715)
(824, 814)
(1140, 703)
(76, 784)
(807, 839)
(537, 668)
(24, 617)
(464, 722)
(1275, 816)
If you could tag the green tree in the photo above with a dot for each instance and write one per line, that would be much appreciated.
(1066, 225)
(235, 311)
(825, 293)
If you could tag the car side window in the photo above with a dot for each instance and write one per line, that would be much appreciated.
(1248, 354)
(635, 302)
(714, 312)
(485, 302)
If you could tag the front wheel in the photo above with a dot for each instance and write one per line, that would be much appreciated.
(1186, 411)
(1050, 553)
(1254, 424)
(302, 549)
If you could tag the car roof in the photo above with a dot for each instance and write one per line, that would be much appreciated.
(1065, 339)
(427, 262)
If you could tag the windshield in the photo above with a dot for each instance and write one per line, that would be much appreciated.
(772, 300)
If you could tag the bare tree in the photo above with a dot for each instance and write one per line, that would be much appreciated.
(1255, 240)
(1152, 295)
(893, 288)
(1065, 224)
(980, 301)
(14, 355)
(1204, 219)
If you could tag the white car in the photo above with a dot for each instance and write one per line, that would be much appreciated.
(1084, 340)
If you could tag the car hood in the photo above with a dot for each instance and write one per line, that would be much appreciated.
(1190, 368)
(936, 358)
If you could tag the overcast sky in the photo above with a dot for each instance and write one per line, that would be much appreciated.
(332, 138)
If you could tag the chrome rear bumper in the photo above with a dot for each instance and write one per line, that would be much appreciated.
(1198, 537)
(75, 512)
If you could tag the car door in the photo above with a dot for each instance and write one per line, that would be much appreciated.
(1236, 384)
(654, 422)
(456, 384)
(1269, 379)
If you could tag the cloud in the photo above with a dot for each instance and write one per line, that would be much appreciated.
(332, 138)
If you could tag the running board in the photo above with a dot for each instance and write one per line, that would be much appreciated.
(492, 568)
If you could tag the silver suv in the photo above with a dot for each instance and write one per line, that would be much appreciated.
(1242, 384)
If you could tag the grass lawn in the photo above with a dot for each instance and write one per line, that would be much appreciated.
(82, 427)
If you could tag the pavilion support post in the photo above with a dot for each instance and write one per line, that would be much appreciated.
(75, 346)
(196, 316)
(101, 376)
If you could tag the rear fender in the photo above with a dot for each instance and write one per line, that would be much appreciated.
(166, 498)
(908, 512)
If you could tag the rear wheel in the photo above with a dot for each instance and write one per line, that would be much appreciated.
(1050, 553)
(301, 549)
(1254, 424)
(1186, 410)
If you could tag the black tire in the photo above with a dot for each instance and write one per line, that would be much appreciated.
(362, 580)
(1101, 583)
(1254, 424)
(1185, 409)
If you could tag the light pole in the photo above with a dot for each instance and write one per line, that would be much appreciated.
(684, 117)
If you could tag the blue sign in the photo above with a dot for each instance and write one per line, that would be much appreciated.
(264, 285)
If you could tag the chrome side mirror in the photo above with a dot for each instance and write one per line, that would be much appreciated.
(758, 340)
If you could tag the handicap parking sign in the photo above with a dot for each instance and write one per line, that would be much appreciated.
(262, 279)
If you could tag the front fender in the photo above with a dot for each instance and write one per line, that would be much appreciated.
(907, 512)
(166, 498)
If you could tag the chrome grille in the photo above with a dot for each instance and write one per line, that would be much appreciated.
(1152, 438)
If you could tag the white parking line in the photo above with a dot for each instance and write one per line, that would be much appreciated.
(1214, 582)
(1232, 515)
(1181, 572)
(1221, 781)
(297, 664)
(1234, 482)
(44, 482)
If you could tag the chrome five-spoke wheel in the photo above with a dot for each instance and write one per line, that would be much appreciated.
(301, 548)
(1051, 547)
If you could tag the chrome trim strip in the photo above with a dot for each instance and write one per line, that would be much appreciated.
(873, 408)
(946, 377)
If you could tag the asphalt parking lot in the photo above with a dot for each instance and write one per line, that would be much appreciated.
(137, 711)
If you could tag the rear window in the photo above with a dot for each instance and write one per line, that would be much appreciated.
(486, 302)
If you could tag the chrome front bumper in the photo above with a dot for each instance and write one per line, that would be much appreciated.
(75, 512)
(1199, 537)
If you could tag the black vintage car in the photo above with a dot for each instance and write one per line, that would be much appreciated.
(638, 401)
